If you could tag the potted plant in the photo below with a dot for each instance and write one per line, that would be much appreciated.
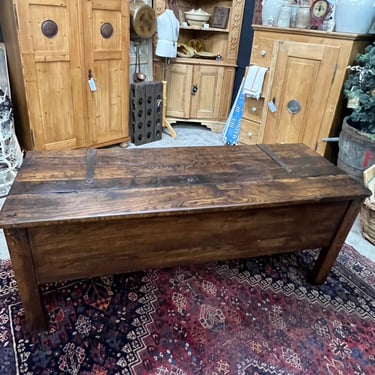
(357, 137)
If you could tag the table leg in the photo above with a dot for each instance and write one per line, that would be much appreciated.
(328, 255)
(23, 265)
(166, 124)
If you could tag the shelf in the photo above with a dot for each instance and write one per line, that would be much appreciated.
(215, 79)
(211, 29)
(197, 61)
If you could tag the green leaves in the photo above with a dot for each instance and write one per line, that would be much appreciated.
(359, 88)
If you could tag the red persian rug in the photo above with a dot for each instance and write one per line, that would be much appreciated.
(253, 316)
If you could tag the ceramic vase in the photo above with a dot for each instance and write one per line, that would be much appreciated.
(354, 16)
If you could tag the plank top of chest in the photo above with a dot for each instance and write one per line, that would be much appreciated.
(106, 184)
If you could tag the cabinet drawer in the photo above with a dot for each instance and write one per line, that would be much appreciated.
(261, 52)
(253, 109)
(249, 132)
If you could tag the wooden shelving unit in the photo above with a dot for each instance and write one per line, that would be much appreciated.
(199, 89)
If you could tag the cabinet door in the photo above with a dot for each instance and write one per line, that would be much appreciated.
(208, 80)
(303, 73)
(106, 50)
(179, 90)
(50, 49)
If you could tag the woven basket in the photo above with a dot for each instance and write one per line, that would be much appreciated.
(368, 220)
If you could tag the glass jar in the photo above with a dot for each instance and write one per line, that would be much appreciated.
(293, 15)
(270, 12)
(284, 17)
(303, 17)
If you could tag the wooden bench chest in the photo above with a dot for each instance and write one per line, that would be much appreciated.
(84, 213)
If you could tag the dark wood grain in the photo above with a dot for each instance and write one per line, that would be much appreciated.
(165, 241)
(143, 182)
(328, 254)
(85, 213)
(27, 283)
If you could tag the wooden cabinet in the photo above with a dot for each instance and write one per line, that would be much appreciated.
(200, 89)
(54, 48)
(195, 92)
(305, 79)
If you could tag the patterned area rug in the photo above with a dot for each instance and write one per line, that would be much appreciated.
(254, 316)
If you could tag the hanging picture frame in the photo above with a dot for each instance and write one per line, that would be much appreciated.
(219, 18)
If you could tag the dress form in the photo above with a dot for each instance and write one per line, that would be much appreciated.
(168, 29)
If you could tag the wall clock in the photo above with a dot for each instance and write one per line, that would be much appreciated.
(319, 10)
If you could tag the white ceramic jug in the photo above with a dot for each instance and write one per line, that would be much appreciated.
(354, 16)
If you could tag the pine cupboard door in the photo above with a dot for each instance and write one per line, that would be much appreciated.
(105, 27)
(303, 76)
(207, 81)
(48, 33)
(179, 90)
(194, 91)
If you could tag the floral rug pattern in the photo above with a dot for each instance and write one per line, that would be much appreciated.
(253, 316)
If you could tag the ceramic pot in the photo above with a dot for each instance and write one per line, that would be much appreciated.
(354, 16)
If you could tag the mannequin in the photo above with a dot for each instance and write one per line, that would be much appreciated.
(167, 28)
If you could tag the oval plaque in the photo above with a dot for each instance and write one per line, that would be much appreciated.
(49, 28)
(106, 30)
